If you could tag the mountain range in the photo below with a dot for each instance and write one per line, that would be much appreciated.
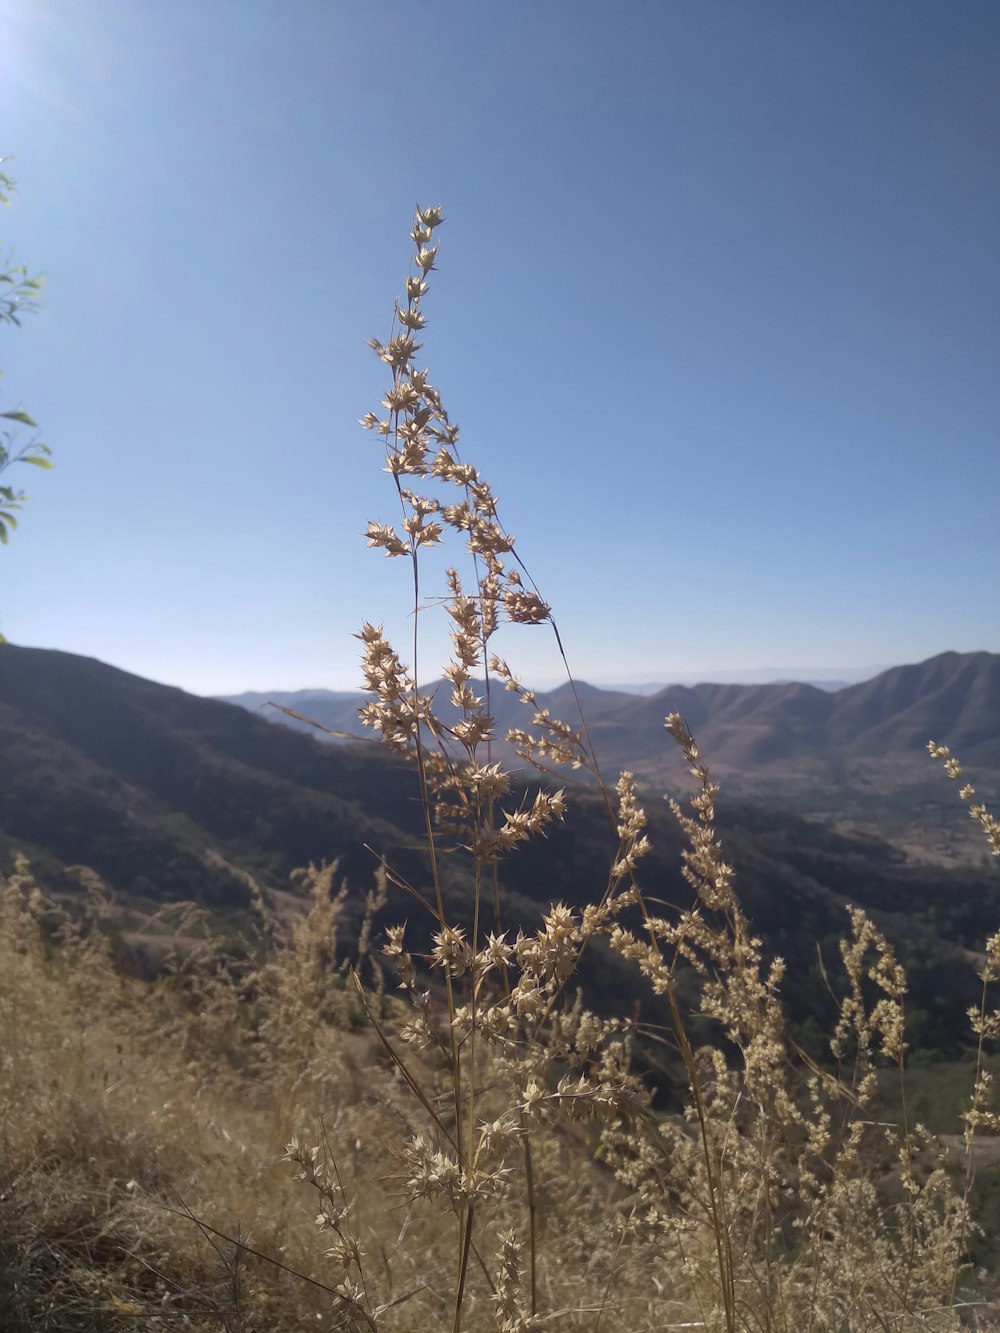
(173, 797)
(784, 737)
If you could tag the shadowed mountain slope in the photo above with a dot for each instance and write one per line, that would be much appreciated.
(151, 786)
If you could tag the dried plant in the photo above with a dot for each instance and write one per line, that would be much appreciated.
(763, 1199)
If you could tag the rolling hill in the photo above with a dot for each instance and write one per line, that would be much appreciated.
(169, 797)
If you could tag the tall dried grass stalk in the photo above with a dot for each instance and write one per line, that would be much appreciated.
(766, 1200)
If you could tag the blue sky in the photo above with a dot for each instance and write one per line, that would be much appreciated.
(718, 310)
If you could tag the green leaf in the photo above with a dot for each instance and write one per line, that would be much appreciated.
(38, 460)
(20, 416)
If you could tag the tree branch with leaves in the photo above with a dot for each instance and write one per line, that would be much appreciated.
(19, 292)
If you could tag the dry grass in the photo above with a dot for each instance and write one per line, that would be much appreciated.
(145, 1130)
(456, 1140)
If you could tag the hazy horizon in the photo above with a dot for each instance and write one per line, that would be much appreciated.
(643, 685)
(823, 677)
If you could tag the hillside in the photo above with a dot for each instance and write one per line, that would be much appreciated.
(153, 787)
(173, 797)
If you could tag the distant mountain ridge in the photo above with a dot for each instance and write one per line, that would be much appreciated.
(824, 678)
(953, 698)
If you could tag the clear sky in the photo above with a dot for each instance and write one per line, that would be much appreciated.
(718, 310)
